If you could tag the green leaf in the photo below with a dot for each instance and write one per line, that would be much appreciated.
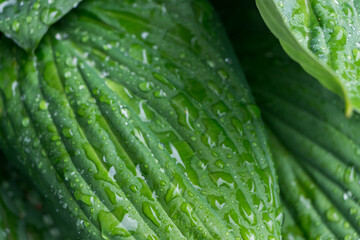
(316, 149)
(319, 172)
(321, 204)
(323, 37)
(144, 122)
(26, 22)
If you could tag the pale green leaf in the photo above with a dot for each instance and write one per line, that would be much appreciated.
(26, 22)
(323, 36)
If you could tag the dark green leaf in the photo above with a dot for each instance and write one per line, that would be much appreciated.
(317, 157)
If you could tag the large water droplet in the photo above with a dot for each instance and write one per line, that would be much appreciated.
(222, 179)
(25, 122)
(49, 15)
(15, 26)
(145, 86)
(151, 212)
(332, 215)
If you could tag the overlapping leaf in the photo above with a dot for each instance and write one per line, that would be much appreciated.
(319, 172)
(323, 36)
(317, 154)
(26, 22)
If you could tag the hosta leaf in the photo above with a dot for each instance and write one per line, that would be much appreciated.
(322, 205)
(26, 22)
(316, 149)
(319, 172)
(141, 125)
(323, 36)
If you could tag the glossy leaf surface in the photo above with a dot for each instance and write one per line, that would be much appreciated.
(316, 149)
(26, 22)
(141, 124)
(323, 37)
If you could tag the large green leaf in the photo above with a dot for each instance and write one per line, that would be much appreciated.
(141, 125)
(323, 36)
(319, 172)
(316, 149)
(26, 22)
(322, 204)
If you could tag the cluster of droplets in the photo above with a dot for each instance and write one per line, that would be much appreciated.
(332, 36)
(138, 135)
(27, 21)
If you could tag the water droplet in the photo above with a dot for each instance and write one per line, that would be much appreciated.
(113, 197)
(332, 215)
(219, 164)
(356, 54)
(71, 62)
(25, 122)
(159, 94)
(36, 143)
(348, 237)
(145, 86)
(112, 172)
(214, 87)
(223, 74)
(144, 35)
(49, 15)
(85, 38)
(67, 74)
(349, 174)
(15, 26)
(28, 19)
(151, 212)
(134, 188)
(87, 199)
(161, 146)
(220, 109)
(36, 5)
(213, 131)
(163, 80)
(189, 211)
(222, 179)
(139, 53)
(211, 63)
(110, 226)
(67, 132)
(338, 38)
(173, 192)
(140, 136)
(353, 211)
(186, 111)
(43, 105)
